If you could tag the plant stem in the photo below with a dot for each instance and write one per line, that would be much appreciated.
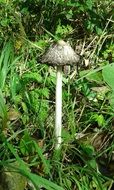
(58, 109)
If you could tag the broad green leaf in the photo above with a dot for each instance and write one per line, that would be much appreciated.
(111, 99)
(11, 179)
(97, 77)
(108, 75)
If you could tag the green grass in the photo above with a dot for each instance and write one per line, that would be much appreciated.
(28, 138)
(27, 95)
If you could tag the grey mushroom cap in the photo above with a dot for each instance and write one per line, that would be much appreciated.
(60, 54)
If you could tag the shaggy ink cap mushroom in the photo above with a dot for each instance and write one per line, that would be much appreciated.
(59, 55)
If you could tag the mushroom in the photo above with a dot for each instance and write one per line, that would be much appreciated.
(59, 55)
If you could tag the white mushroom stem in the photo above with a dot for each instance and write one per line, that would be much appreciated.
(58, 109)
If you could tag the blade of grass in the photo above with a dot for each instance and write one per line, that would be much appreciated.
(3, 111)
(38, 181)
(5, 59)
(44, 161)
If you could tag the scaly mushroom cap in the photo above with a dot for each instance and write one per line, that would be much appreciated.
(60, 54)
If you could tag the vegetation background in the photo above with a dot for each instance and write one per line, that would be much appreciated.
(27, 95)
